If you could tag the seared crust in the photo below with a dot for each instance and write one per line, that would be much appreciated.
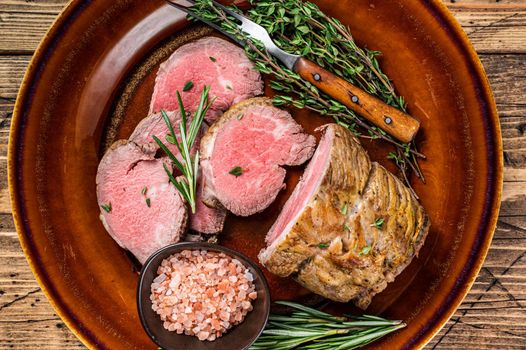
(208, 140)
(341, 254)
(343, 180)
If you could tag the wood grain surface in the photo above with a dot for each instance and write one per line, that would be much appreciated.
(493, 315)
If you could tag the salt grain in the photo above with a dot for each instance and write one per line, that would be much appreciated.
(202, 293)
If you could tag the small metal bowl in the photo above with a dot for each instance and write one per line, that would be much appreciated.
(239, 337)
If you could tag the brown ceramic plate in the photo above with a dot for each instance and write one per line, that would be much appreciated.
(89, 83)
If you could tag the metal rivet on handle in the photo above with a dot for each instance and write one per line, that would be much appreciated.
(355, 99)
(317, 77)
(388, 120)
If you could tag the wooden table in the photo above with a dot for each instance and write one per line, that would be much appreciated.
(493, 313)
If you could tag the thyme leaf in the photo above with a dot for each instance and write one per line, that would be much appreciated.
(236, 171)
(300, 27)
(378, 223)
(106, 207)
(365, 250)
(344, 208)
(188, 85)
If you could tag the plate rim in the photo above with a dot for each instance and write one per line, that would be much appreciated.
(427, 332)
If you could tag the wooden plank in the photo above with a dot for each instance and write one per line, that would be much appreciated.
(508, 244)
(495, 30)
(499, 28)
(483, 3)
(24, 23)
(492, 314)
(27, 320)
(506, 74)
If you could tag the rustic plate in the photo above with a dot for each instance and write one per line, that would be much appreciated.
(89, 83)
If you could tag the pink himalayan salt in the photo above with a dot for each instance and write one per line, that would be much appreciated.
(202, 293)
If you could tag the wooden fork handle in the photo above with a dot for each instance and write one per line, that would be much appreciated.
(393, 121)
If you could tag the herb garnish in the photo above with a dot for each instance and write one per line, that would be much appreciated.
(346, 227)
(344, 209)
(308, 328)
(188, 167)
(398, 159)
(323, 245)
(148, 203)
(239, 116)
(378, 223)
(106, 207)
(300, 27)
(365, 250)
(236, 171)
(213, 59)
(188, 85)
(144, 190)
(169, 137)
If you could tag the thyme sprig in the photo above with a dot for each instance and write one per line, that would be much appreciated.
(308, 328)
(300, 27)
(188, 166)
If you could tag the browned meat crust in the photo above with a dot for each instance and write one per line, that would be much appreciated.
(334, 248)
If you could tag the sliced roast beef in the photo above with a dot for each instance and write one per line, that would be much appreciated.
(140, 209)
(209, 61)
(205, 220)
(349, 227)
(243, 152)
(154, 125)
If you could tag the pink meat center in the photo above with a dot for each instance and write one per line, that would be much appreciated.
(228, 72)
(140, 227)
(257, 144)
(304, 191)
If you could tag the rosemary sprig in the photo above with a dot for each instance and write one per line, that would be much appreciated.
(308, 328)
(300, 27)
(189, 166)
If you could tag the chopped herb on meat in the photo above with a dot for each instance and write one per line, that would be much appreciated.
(236, 171)
(365, 250)
(106, 207)
(188, 85)
(378, 223)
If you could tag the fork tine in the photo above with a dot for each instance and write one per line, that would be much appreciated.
(175, 1)
(179, 6)
(188, 10)
(230, 12)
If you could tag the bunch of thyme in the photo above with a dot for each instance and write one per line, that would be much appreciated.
(308, 328)
(302, 28)
(189, 167)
